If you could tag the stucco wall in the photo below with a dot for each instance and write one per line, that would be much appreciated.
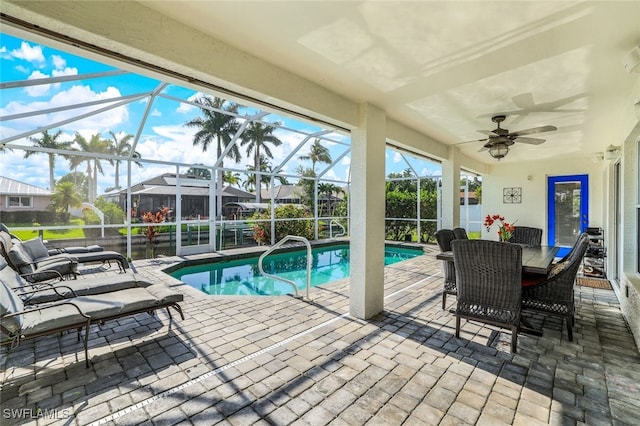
(532, 178)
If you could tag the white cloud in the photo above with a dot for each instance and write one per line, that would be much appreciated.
(64, 71)
(156, 113)
(28, 53)
(397, 157)
(58, 62)
(109, 120)
(40, 89)
(185, 108)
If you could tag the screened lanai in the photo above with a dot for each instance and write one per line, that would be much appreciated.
(113, 151)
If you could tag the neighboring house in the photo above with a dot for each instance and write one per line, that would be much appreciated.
(17, 196)
(284, 194)
(472, 198)
(160, 191)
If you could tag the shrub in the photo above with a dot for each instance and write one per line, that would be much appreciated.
(301, 228)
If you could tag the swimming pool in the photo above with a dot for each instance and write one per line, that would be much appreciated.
(241, 277)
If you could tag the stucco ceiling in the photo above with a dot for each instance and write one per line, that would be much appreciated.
(444, 68)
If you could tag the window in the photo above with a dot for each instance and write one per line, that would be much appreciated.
(19, 201)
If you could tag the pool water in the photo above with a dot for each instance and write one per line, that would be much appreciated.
(242, 277)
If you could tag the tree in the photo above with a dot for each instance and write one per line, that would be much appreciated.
(317, 154)
(95, 145)
(65, 195)
(121, 148)
(80, 181)
(199, 172)
(250, 182)
(256, 137)
(232, 178)
(49, 141)
(218, 127)
(308, 185)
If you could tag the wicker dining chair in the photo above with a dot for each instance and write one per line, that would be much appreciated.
(531, 237)
(444, 238)
(460, 233)
(488, 277)
(554, 294)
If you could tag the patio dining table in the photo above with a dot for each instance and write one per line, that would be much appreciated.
(535, 260)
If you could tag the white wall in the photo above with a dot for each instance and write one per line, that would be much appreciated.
(532, 178)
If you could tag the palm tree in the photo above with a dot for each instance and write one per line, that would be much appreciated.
(199, 172)
(250, 183)
(232, 178)
(317, 154)
(66, 194)
(121, 148)
(256, 137)
(95, 145)
(49, 141)
(215, 126)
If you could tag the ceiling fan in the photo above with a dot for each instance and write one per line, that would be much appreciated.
(500, 139)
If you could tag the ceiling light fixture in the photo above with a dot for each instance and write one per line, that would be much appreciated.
(498, 150)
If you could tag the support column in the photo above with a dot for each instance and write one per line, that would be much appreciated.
(451, 190)
(367, 213)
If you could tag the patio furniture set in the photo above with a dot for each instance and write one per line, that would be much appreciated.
(42, 292)
(495, 282)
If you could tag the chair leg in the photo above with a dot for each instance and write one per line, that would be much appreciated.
(569, 322)
(444, 300)
(457, 327)
(86, 343)
(514, 339)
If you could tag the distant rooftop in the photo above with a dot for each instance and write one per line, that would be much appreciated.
(14, 187)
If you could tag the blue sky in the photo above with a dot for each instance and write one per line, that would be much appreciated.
(164, 136)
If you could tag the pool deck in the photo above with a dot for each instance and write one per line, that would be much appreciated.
(281, 360)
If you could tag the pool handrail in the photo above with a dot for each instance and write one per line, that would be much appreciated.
(335, 222)
(275, 277)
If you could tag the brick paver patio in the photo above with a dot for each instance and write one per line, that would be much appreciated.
(281, 360)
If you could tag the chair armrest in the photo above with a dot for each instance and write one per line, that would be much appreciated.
(43, 307)
(56, 274)
(50, 286)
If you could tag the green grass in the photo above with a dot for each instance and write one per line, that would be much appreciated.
(52, 234)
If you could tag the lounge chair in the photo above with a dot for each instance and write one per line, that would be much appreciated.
(22, 262)
(52, 291)
(34, 252)
(18, 322)
(58, 250)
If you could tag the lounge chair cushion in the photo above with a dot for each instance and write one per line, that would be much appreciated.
(76, 249)
(164, 294)
(98, 307)
(21, 259)
(35, 248)
(83, 287)
(60, 315)
(10, 303)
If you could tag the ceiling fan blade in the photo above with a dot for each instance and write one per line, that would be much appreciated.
(530, 141)
(534, 130)
(487, 132)
(484, 148)
(477, 140)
